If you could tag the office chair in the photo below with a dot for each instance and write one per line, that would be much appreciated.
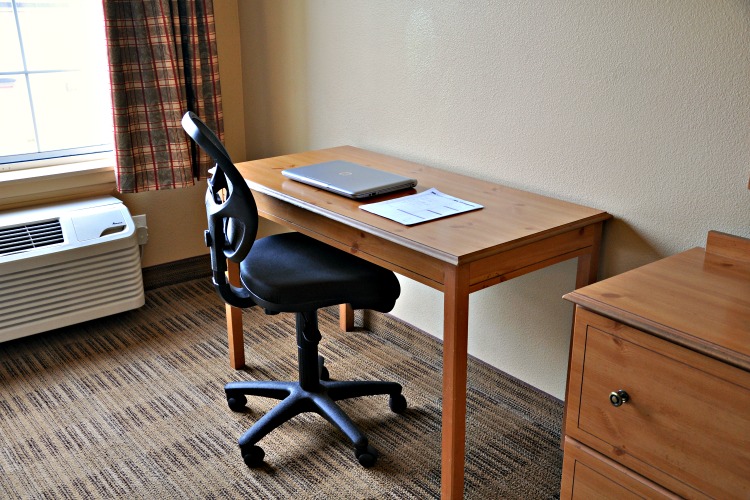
(288, 273)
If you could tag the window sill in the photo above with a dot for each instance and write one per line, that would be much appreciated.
(58, 182)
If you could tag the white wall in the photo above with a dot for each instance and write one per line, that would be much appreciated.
(639, 108)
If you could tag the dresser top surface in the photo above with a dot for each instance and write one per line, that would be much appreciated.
(697, 299)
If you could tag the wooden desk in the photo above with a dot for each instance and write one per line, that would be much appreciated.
(515, 233)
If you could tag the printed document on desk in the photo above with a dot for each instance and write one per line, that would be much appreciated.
(422, 207)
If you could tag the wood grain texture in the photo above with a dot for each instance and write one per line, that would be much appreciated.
(728, 245)
(510, 217)
(234, 322)
(455, 354)
(587, 475)
(696, 299)
(687, 424)
(675, 335)
(346, 317)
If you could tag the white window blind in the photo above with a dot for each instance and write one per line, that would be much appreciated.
(54, 82)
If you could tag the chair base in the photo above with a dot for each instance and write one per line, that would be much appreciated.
(321, 400)
(313, 392)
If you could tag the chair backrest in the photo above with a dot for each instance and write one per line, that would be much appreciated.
(230, 209)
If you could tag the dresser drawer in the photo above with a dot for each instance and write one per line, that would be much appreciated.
(686, 423)
(587, 475)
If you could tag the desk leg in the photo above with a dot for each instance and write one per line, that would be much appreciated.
(588, 264)
(455, 352)
(234, 323)
(346, 317)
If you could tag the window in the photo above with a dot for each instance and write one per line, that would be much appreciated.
(54, 82)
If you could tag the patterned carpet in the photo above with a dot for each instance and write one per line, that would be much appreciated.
(132, 406)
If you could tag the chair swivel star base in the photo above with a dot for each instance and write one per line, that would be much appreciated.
(313, 392)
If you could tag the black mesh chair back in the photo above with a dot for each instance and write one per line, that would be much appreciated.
(230, 209)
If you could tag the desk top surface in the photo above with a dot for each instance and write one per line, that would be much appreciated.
(510, 217)
(699, 299)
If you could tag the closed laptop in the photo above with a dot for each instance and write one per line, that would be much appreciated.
(349, 179)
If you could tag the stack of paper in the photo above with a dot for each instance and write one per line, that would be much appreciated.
(422, 207)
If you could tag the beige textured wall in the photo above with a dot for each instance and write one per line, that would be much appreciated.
(176, 218)
(274, 76)
(639, 108)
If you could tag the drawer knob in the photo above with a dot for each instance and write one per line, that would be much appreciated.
(619, 398)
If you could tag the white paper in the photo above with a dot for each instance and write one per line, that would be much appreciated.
(422, 207)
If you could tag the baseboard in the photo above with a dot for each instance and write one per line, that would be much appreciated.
(379, 322)
(177, 272)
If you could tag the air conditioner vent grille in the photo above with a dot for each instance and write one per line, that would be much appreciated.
(29, 236)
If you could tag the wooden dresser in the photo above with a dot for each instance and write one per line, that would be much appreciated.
(658, 401)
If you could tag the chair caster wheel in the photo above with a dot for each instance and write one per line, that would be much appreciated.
(253, 456)
(397, 403)
(366, 456)
(237, 402)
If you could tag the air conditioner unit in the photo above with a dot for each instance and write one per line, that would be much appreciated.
(66, 263)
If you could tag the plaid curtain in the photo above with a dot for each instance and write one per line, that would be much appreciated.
(162, 63)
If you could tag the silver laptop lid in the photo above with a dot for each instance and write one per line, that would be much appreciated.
(349, 179)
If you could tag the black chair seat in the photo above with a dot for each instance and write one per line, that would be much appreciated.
(291, 272)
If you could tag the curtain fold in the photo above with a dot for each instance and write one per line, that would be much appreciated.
(162, 62)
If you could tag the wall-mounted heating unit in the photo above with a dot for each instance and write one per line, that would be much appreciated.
(66, 263)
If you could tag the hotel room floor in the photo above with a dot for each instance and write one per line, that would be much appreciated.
(133, 406)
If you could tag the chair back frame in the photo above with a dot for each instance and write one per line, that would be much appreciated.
(231, 211)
